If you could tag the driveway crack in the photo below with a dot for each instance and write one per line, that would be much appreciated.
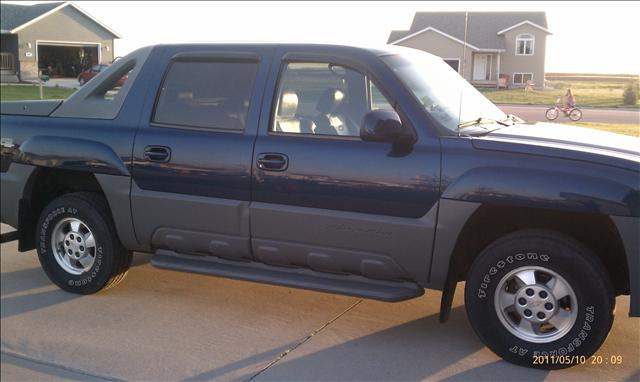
(303, 340)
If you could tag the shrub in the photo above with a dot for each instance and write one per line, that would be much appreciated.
(630, 95)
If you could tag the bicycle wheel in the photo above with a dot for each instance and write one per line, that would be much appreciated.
(552, 114)
(575, 114)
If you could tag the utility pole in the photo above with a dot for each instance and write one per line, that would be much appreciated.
(464, 58)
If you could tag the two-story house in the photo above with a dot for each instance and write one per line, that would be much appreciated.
(508, 45)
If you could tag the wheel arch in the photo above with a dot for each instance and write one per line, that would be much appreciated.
(47, 183)
(489, 222)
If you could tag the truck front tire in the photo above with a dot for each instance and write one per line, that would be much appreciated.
(540, 299)
(77, 244)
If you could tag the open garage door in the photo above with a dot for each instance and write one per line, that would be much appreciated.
(66, 59)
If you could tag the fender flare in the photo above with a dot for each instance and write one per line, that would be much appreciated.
(518, 187)
(70, 154)
(545, 189)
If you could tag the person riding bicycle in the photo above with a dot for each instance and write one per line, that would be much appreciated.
(567, 102)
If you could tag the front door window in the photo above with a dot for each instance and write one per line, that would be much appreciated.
(324, 99)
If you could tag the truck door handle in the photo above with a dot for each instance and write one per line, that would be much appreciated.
(157, 153)
(272, 162)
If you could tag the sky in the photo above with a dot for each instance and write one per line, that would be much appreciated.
(588, 37)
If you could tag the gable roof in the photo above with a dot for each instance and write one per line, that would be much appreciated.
(14, 17)
(484, 28)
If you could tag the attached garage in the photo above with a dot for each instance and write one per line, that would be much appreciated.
(61, 59)
(57, 38)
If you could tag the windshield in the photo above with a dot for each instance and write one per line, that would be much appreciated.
(446, 96)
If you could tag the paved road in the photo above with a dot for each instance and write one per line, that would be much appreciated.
(163, 325)
(536, 113)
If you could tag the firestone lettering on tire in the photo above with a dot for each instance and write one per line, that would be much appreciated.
(486, 280)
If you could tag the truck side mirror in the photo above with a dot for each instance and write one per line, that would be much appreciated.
(385, 126)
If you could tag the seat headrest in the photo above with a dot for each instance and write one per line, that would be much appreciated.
(288, 104)
(329, 100)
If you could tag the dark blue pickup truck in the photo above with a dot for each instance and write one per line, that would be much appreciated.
(368, 172)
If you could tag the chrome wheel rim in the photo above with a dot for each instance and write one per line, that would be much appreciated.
(536, 304)
(73, 245)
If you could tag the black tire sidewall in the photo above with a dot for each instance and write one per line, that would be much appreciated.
(546, 114)
(593, 293)
(99, 274)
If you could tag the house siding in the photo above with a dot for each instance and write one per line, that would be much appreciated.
(65, 25)
(510, 63)
(441, 46)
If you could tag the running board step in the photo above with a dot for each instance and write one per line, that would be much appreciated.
(351, 285)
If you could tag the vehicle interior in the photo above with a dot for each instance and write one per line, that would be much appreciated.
(324, 99)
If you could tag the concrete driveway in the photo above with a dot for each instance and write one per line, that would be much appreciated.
(164, 325)
(537, 114)
(70, 83)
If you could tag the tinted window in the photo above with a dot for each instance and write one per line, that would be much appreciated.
(212, 95)
(324, 99)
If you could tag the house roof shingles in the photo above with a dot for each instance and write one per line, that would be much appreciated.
(14, 15)
(483, 27)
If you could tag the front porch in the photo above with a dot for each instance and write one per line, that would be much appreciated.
(8, 58)
(485, 70)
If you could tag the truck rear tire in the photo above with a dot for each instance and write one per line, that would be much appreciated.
(77, 244)
(540, 299)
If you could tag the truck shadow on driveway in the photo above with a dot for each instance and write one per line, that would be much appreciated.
(12, 306)
(25, 283)
(23, 280)
(416, 350)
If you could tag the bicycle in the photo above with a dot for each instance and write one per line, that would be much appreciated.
(573, 113)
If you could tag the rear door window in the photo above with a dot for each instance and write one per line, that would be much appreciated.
(207, 95)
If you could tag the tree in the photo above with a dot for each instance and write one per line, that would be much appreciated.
(630, 94)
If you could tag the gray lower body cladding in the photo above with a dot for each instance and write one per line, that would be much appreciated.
(377, 247)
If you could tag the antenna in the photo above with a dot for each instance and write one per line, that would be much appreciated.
(464, 56)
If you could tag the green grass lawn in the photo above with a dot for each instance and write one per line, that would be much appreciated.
(589, 93)
(27, 92)
(626, 129)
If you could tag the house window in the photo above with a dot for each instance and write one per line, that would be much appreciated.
(522, 78)
(454, 63)
(524, 45)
